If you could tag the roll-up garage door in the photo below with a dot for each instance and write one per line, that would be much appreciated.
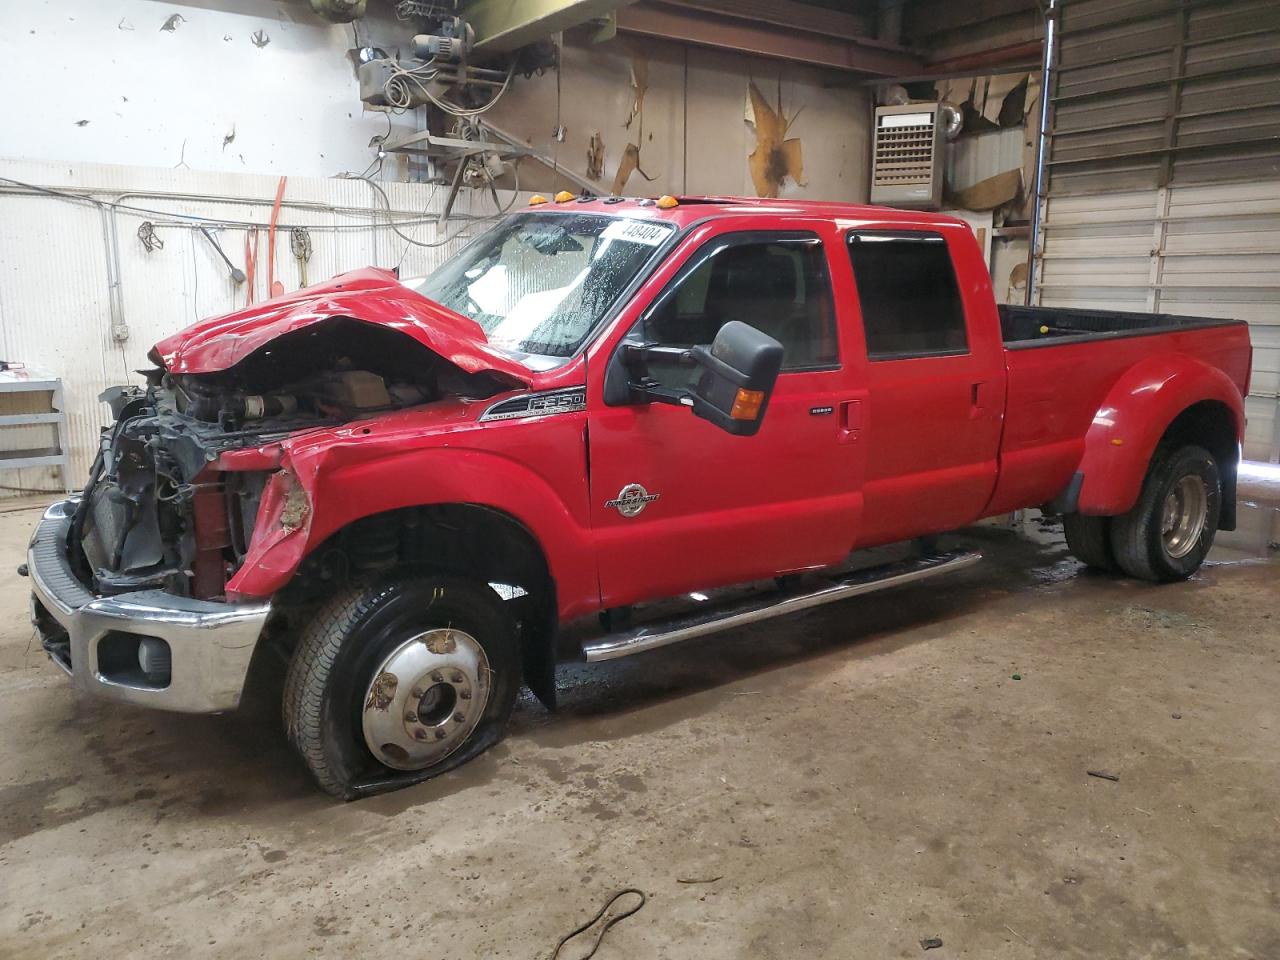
(1163, 172)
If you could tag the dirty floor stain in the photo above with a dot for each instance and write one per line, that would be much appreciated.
(857, 780)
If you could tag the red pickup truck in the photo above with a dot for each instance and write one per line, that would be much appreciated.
(407, 488)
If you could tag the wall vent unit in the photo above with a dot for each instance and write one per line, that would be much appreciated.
(907, 157)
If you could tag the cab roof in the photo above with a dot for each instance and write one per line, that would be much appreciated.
(692, 209)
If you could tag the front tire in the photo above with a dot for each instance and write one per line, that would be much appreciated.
(1169, 531)
(398, 680)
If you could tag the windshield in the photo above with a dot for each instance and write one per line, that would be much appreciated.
(539, 283)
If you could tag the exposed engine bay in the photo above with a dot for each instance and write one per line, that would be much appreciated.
(156, 514)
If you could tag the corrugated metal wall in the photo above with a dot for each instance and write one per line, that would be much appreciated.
(1164, 171)
(73, 274)
(976, 157)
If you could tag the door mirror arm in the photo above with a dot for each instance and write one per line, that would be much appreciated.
(642, 387)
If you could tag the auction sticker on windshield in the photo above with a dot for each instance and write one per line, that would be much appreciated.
(637, 231)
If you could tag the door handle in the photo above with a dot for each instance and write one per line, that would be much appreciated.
(850, 421)
(975, 399)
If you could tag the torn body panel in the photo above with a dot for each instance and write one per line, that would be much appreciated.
(371, 296)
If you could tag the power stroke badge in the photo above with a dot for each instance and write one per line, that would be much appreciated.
(631, 500)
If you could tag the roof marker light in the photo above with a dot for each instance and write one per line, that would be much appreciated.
(536, 199)
(666, 202)
(564, 196)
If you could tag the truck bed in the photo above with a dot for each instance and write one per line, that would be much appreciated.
(1027, 327)
(1054, 395)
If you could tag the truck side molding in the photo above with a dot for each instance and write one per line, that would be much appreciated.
(1140, 410)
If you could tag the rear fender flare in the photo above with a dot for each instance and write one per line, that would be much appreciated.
(1134, 417)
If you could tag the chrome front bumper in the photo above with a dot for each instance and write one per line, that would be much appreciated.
(210, 643)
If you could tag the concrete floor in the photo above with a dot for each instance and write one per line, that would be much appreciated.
(842, 784)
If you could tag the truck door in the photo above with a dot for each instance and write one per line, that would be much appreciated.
(936, 378)
(677, 504)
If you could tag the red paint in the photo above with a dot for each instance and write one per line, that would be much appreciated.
(912, 446)
(1066, 405)
(209, 507)
(933, 438)
(274, 287)
(731, 508)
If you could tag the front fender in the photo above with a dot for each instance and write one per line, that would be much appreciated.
(1128, 426)
(319, 492)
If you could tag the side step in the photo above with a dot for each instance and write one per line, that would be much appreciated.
(660, 633)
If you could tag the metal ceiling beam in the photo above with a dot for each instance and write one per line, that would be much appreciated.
(688, 23)
(503, 25)
(1017, 55)
(1017, 58)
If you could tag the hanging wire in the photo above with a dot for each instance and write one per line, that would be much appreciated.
(500, 212)
(173, 218)
(396, 89)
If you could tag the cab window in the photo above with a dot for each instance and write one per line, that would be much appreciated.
(907, 290)
(777, 283)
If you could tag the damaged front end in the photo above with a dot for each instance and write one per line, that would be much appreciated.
(166, 509)
(134, 583)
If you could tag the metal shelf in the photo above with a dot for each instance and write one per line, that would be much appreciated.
(39, 457)
(28, 419)
(28, 381)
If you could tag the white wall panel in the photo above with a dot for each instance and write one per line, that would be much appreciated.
(98, 81)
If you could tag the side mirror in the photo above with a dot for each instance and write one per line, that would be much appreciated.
(737, 377)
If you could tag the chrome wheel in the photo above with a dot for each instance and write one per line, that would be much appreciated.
(1186, 508)
(426, 698)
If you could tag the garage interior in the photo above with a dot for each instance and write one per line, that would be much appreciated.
(910, 773)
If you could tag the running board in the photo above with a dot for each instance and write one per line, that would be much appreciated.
(661, 633)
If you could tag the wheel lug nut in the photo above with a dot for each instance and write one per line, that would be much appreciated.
(440, 734)
(437, 676)
(417, 693)
(459, 718)
(419, 734)
(411, 717)
(464, 694)
(457, 677)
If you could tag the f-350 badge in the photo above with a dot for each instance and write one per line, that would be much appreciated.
(631, 500)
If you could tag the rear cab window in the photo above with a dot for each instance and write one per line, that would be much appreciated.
(910, 301)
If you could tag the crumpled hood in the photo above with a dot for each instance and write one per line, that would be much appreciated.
(371, 295)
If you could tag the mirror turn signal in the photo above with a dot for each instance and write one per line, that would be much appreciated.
(747, 404)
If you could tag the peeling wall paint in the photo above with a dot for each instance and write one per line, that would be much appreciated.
(682, 112)
(777, 158)
(224, 85)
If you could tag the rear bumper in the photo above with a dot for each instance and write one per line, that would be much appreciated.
(210, 643)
